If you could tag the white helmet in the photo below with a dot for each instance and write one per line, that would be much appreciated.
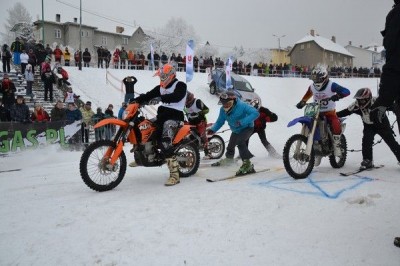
(319, 75)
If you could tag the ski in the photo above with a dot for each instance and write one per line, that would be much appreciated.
(361, 170)
(236, 176)
(12, 170)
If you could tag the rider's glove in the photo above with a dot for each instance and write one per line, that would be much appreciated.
(335, 98)
(301, 104)
(210, 132)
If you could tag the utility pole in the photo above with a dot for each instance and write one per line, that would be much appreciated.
(43, 24)
(80, 36)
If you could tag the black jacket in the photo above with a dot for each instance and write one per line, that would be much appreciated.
(165, 113)
(391, 39)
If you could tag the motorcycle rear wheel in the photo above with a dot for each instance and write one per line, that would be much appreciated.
(96, 171)
(188, 156)
(216, 147)
(297, 164)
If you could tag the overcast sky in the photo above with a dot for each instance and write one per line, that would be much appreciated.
(250, 23)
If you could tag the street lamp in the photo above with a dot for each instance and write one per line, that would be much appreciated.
(279, 40)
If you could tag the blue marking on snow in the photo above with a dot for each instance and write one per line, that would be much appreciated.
(309, 186)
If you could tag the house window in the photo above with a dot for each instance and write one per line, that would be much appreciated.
(87, 34)
(345, 60)
(57, 33)
(104, 40)
(125, 41)
(331, 57)
(82, 34)
(302, 47)
(308, 45)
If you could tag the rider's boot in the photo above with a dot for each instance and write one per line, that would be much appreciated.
(246, 168)
(173, 171)
(336, 146)
(133, 164)
(367, 163)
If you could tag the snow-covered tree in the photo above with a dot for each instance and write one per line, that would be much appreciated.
(172, 38)
(18, 14)
(206, 50)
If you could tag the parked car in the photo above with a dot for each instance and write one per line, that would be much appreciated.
(242, 87)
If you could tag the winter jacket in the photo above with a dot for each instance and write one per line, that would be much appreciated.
(58, 114)
(165, 113)
(67, 55)
(73, 115)
(240, 117)
(24, 57)
(20, 113)
(29, 76)
(129, 85)
(5, 52)
(87, 115)
(57, 54)
(86, 56)
(4, 114)
(265, 116)
(7, 88)
(391, 39)
(48, 78)
(39, 116)
(17, 47)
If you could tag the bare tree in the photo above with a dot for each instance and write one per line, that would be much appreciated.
(17, 14)
(172, 38)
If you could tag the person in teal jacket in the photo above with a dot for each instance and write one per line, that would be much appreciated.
(240, 117)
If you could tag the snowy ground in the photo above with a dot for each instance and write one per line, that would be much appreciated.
(49, 216)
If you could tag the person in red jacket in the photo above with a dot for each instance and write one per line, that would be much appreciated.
(57, 54)
(64, 76)
(39, 114)
(266, 116)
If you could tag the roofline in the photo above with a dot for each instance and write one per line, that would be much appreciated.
(38, 22)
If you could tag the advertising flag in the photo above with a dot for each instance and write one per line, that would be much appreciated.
(189, 60)
(228, 70)
(152, 56)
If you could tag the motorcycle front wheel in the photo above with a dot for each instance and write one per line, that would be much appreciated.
(216, 147)
(188, 156)
(96, 170)
(297, 163)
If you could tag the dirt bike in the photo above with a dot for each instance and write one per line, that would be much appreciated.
(216, 144)
(103, 163)
(315, 139)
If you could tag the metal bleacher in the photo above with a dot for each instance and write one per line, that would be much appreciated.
(37, 90)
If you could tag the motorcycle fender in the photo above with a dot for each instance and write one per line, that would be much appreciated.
(182, 132)
(303, 120)
(111, 121)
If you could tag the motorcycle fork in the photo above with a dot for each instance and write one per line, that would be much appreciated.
(310, 139)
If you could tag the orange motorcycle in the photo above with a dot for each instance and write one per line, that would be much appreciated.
(103, 163)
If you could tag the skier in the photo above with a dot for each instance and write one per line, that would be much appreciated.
(169, 114)
(324, 89)
(196, 112)
(362, 107)
(240, 117)
(260, 124)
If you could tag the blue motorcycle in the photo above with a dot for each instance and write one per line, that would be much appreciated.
(305, 150)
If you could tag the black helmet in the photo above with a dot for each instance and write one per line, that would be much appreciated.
(189, 99)
(363, 97)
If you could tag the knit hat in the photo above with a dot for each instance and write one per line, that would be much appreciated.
(89, 103)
